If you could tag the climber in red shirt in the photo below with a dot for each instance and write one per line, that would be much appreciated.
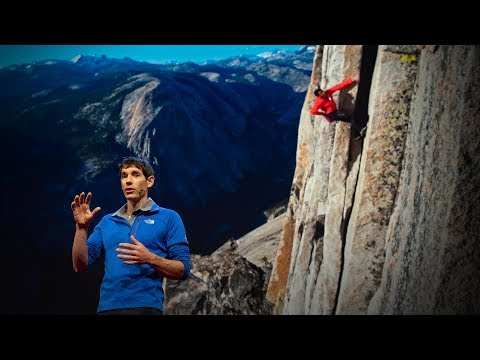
(325, 105)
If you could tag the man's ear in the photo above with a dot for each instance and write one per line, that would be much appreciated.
(150, 181)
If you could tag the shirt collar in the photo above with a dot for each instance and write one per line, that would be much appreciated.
(123, 210)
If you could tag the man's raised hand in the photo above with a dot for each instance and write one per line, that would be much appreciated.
(81, 210)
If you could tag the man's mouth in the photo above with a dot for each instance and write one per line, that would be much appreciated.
(129, 190)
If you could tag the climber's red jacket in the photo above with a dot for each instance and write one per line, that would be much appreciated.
(325, 103)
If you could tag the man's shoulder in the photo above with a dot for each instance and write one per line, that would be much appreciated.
(161, 212)
(165, 216)
(165, 212)
(105, 218)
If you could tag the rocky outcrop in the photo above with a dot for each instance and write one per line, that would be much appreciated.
(219, 285)
(258, 246)
(388, 224)
(232, 281)
(137, 113)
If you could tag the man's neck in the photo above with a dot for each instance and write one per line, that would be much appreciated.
(132, 206)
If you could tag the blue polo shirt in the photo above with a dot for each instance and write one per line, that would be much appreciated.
(161, 231)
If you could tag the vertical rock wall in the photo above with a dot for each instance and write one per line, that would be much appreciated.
(432, 263)
(389, 109)
(281, 267)
(390, 226)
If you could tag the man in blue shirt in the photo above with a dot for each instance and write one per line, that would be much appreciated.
(141, 243)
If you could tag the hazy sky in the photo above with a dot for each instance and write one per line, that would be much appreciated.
(22, 54)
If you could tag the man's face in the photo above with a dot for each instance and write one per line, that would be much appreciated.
(134, 184)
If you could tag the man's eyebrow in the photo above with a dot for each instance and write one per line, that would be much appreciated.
(133, 171)
(125, 171)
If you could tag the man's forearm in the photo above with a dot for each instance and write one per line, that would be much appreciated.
(171, 269)
(316, 111)
(79, 249)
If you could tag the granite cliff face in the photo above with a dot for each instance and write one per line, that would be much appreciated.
(387, 224)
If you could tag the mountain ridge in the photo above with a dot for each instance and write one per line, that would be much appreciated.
(223, 151)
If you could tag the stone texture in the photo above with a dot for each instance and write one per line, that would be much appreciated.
(309, 200)
(389, 110)
(308, 241)
(233, 280)
(402, 49)
(408, 198)
(281, 266)
(327, 283)
(432, 245)
(220, 284)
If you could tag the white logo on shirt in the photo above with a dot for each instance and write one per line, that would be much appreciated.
(149, 221)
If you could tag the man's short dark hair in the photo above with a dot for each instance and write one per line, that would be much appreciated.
(317, 91)
(142, 164)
